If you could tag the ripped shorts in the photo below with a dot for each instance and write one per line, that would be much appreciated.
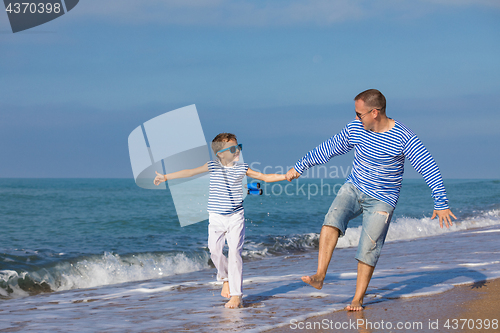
(350, 203)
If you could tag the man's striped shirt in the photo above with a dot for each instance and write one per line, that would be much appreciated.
(226, 188)
(379, 158)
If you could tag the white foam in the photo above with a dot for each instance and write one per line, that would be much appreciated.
(405, 228)
(112, 269)
(10, 278)
(483, 231)
(107, 269)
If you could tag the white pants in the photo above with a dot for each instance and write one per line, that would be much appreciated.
(230, 228)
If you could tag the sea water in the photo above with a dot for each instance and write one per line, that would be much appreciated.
(105, 255)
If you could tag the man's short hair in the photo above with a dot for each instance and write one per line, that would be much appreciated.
(219, 141)
(373, 99)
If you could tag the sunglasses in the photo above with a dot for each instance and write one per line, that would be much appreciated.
(232, 149)
(360, 116)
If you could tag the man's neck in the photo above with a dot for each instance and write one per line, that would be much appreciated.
(385, 124)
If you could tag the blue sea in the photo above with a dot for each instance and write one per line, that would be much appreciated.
(106, 255)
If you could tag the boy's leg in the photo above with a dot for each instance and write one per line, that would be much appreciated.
(216, 241)
(235, 239)
(344, 208)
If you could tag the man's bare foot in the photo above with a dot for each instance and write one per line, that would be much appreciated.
(225, 290)
(314, 281)
(234, 302)
(355, 306)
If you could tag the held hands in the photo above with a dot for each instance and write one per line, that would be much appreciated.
(444, 216)
(159, 178)
(292, 174)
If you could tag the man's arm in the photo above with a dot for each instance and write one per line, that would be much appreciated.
(268, 178)
(423, 162)
(335, 146)
(186, 173)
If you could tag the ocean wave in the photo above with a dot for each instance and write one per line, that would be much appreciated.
(279, 245)
(406, 228)
(109, 268)
(95, 271)
(402, 228)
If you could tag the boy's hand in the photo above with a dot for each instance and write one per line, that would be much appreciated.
(159, 178)
(292, 174)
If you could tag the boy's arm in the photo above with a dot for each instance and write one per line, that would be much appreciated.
(180, 174)
(269, 178)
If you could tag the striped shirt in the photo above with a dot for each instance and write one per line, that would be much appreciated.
(226, 188)
(378, 165)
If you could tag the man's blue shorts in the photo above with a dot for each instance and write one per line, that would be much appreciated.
(350, 203)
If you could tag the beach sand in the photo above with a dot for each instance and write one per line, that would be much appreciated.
(478, 303)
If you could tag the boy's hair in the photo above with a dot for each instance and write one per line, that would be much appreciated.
(219, 141)
(373, 99)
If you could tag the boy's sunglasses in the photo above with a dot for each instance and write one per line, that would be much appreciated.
(232, 149)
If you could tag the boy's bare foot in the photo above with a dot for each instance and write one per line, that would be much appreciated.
(355, 306)
(314, 280)
(234, 302)
(225, 290)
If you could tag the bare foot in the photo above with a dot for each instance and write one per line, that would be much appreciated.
(314, 281)
(225, 290)
(234, 302)
(355, 306)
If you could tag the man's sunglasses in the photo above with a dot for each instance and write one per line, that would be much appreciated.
(360, 116)
(232, 149)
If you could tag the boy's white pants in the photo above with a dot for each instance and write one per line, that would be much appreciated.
(230, 228)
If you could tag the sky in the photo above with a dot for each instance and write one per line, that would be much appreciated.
(281, 75)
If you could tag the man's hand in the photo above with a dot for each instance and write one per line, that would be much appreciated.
(292, 174)
(444, 215)
(159, 178)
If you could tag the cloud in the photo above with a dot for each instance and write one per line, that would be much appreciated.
(247, 13)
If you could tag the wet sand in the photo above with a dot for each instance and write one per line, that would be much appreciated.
(477, 303)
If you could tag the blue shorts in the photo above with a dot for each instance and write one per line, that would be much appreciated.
(350, 203)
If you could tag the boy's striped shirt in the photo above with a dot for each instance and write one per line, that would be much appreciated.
(378, 164)
(226, 189)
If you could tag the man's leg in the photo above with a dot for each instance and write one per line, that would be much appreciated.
(376, 220)
(365, 273)
(327, 242)
(344, 208)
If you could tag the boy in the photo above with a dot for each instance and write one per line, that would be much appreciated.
(225, 208)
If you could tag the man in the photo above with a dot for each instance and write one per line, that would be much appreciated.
(381, 145)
